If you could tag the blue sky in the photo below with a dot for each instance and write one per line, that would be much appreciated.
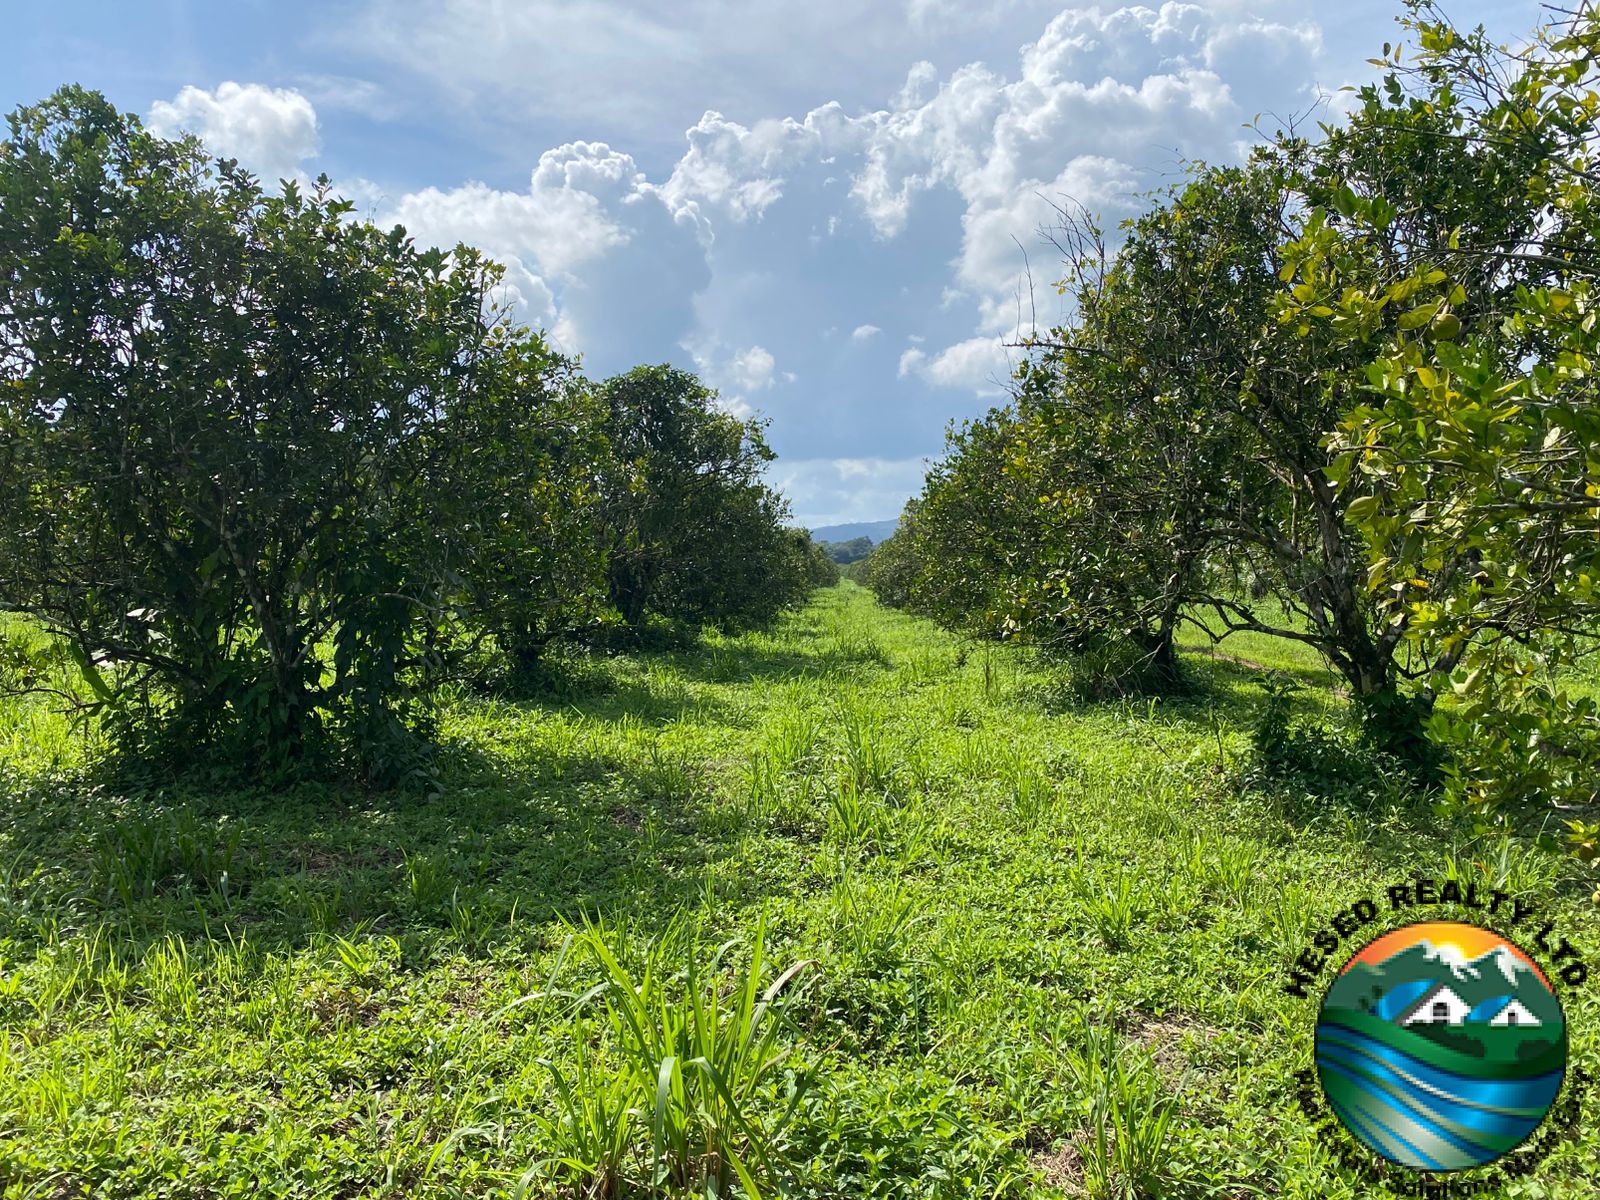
(822, 207)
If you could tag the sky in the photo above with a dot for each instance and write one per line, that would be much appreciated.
(832, 210)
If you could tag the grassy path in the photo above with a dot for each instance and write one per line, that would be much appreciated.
(1020, 922)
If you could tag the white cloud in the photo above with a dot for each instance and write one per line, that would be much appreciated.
(752, 370)
(271, 131)
(754, 230)
(742, 171)
(834, 491)
(613, 64)
(362, 96)
(591, 244)
(1092, 109)
(560, 222)
(978, 365)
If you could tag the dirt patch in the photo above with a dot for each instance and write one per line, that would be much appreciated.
(1060, 1167)
(1163, 1037)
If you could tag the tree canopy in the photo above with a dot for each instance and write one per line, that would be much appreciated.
(272, 472)
(1339, 394)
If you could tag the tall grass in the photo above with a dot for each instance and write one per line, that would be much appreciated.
(1129, 1116)
(485, 991)
(691, 1068)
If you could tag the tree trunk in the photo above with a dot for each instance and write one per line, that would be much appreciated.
(1161, 656)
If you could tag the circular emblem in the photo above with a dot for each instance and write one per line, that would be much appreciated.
(1441, 1046)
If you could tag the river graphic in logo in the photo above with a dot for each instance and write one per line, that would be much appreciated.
(1441, 1046)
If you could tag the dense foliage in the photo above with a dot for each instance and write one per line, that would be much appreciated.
(269, 471)
(845, 553)
(689, 529)
(1338, 395)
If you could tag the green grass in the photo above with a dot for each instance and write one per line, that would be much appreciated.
(846, 909)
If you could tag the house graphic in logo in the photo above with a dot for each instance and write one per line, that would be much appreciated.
(1441, 1046)
(1440, 1005)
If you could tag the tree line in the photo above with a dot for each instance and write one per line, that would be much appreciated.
(1340, 394)
(271, 474)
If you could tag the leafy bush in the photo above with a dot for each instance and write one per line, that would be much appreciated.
(690, 531)
(251, 451)
(893, 566)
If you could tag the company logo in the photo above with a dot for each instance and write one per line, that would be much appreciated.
(1441, 1052)
(1441, 1046)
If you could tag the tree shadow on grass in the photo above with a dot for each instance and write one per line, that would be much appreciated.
(485, 863)
(495, 841)
(749, 661)
(1321, 771)
(590, 685)
(1327, 782)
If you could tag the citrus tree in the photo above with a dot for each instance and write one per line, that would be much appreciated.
(255, 455)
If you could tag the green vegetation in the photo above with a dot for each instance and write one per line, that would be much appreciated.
(429, 772)
(852, 551)
(273, 476)
(850, 907)
(1341, 395)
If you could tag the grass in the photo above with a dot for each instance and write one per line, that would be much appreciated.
(843, 909)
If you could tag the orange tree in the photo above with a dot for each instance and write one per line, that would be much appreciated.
(253, 454)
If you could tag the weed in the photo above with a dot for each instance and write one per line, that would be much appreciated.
(668, 776)
(430, 880)
(592, 1144)
(851, 817)
(139, 857)
(874, 926)
(870, 762)
(1028, 793)
(1113, 908)
(703, 1063)
(1129, 1116)
(793, 741)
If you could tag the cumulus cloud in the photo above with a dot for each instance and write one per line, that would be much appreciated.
(271, 131)
(835, 491)
(979, 365)
(596, 249)
(752, 370)
(560, 222)
(925, 152)
(1099, 109)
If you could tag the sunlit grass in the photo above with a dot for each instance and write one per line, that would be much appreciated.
(1042, 942)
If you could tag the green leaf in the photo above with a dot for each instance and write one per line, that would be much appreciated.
(1417, 317)
(1362, 509)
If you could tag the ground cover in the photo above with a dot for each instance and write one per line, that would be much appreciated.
(850, 908)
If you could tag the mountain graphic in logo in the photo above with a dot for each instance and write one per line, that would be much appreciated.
(1441, 1046)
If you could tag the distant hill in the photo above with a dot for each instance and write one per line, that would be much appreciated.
(873, 531)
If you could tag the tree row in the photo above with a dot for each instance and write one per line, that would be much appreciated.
(271, 474)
